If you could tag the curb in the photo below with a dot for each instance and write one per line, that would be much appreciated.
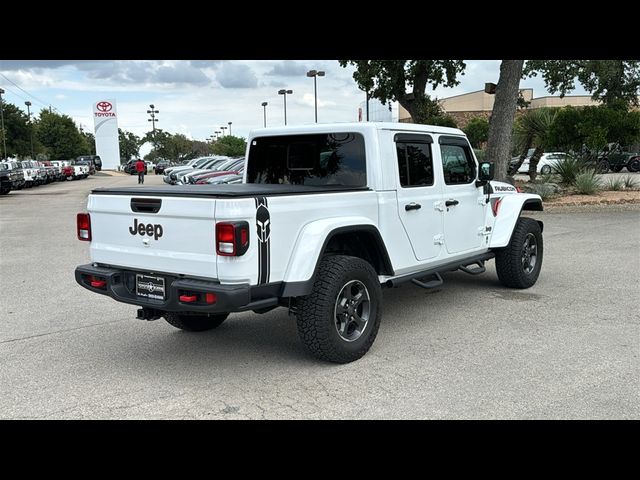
(621, 201)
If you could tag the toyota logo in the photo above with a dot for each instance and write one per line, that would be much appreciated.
(104, 106)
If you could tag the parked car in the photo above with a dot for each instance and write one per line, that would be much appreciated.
(160, 167)
(220, 164)
(546, 164)
(130, 167)
(5, 179)
(76, 170)
(16, 174)
(171, 175)
(91, 167)
(188, 163)
(60, 164)
(94, 159)
(616, 157)
(233, 169)
(30, 172)
(229, 179)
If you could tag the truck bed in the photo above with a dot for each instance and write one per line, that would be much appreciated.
(222, 191)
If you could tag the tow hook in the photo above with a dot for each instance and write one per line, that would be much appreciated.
(149, 314)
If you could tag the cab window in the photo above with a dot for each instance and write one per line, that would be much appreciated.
(457, 164)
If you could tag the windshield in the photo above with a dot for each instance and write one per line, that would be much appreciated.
(315, 160)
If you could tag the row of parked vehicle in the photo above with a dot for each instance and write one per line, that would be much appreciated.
(214, 170)
(16, 175)
(613, 158)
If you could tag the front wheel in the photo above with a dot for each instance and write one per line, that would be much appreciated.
(545, 170)
(339, 320)
(603, 166)
(634, 165)
(518, 264)
(195, 322)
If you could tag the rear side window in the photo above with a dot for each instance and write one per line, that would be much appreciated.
(415, 165)
(316, 160)
(457, 164)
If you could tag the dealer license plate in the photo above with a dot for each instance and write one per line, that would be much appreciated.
(150, 287)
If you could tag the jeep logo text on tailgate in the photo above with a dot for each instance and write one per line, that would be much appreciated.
(149, 229)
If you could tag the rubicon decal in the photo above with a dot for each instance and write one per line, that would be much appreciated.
(151, 230)
(263, 225)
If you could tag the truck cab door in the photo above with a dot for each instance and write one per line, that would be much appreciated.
(419, 195)
(464, 202)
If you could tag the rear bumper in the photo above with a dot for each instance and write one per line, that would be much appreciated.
(120, 285)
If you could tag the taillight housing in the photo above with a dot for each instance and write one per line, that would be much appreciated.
(84, 227)
(232, 238)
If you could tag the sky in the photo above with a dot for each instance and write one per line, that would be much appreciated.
(196, 97)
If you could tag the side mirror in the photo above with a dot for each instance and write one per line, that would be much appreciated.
(486, 171)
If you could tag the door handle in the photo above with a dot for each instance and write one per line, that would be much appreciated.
(412, 206)
(451, 203)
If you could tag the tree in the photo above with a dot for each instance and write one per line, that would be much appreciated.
(89, 143)
(502, 116)
(17, 131)
(59, 135)
(533, 129)
(613, 82)
(477, 131)
(230, 146)
(129, 145)
(389, 79)
(592, 128)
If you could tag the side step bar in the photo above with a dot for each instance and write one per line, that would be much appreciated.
(447, 267)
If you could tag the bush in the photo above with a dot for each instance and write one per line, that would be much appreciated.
(587, 183)
(614, 184)
(545, 191)
(629, 183)
(477, 131)
(568, 170)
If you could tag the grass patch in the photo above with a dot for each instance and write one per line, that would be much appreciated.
(545, 191)
(629, 183)
(586, 183)
(568, 170)
(614, 184)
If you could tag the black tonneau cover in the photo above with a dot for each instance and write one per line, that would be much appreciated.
(222, 191)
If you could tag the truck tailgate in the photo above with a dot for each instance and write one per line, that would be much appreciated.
(168, 234)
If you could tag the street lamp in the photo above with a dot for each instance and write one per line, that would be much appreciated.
(264, 106)
(28, 104)
(230, 128)
(223, 129)
(285, 92)
(315, 74)
(153, 119)
(4, 142)
(217, 132)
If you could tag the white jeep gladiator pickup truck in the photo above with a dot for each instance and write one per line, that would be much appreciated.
(326, 217)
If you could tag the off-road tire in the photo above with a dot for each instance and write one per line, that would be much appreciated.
(195, 322)
(509, 260)
(634, 164)
(316, 317)
(603, 166)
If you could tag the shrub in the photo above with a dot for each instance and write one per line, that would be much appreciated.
(629, 183)
(614, 184)
(568, 170)
(545, 191)
(587, 183)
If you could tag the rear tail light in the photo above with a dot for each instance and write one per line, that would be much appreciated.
(84, 227)
(232, 238)
(97, 282)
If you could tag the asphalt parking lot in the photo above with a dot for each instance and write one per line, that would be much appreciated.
(567, 348)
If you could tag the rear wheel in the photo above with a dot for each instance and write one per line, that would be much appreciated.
(339, 320)
(195, 322)
(518, 264)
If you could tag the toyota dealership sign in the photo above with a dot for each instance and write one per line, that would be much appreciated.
(105, 119)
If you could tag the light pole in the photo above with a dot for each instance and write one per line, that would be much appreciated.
(223, 129)
(28, 104)
(285, 92)
(153, 119)
(264, 106)
(217, 132)
(4, 135)
(230, 128)
(315, 74)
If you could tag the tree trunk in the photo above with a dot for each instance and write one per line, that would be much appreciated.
(533, 163)
(502, 116)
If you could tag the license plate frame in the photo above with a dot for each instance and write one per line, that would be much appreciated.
(153, 287)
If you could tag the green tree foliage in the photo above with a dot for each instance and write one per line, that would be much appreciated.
(129, 145)
(89, 143)
(533, 129)
(17, 131)
(615, 83)
(389, 80)
(230, 146)
(594, 127)
(59, 135)
(477, 131)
